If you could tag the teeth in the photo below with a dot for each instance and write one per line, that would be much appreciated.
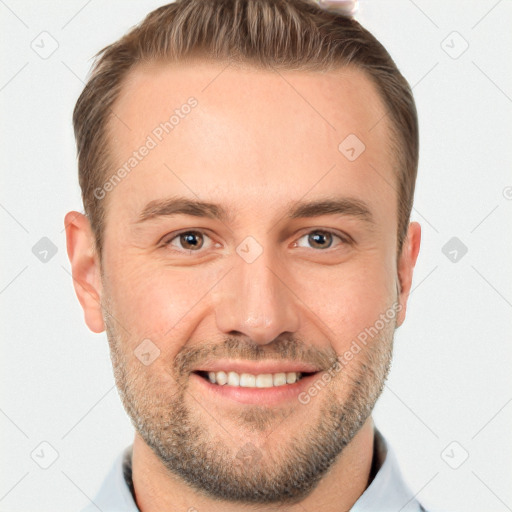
(221, 378)
(247, 380)
(279, 379)
(291, 377)
(233, 379)
(264, 380)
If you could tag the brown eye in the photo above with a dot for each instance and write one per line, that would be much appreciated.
(191, 240)
(187, 241)
(319, 240)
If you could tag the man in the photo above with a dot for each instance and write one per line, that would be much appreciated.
(247, 170)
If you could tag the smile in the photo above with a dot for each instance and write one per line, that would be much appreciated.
(248, 380)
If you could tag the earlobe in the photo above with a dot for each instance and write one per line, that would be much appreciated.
(406, 263)
(85, 268)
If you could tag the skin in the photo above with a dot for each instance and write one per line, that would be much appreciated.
(257, 142)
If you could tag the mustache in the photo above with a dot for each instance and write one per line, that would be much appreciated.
(289, 349)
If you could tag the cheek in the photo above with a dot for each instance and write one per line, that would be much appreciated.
(155, 302)
(350, 300)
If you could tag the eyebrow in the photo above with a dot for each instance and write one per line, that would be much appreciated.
(302, 209)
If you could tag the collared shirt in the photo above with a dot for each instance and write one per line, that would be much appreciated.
(387, 492)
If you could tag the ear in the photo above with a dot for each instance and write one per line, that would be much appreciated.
(85, 268)
(406, 263)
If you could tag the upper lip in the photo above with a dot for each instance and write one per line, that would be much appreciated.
(257, 367)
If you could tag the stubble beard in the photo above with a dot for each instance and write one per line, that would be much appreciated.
(188, 447)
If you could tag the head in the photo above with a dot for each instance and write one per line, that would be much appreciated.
(247, 171)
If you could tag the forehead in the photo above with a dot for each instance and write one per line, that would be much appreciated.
(267, 136)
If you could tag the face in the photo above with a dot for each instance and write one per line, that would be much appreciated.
(243, 245)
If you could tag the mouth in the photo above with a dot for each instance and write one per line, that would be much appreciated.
(249, 380)
(265, 386)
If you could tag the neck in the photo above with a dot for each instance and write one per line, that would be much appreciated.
(156, 489)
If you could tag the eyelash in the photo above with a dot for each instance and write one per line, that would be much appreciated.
(345, 240)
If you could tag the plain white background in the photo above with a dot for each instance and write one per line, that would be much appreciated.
(449, 395)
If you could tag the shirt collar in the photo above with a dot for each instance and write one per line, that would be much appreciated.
(387, 491)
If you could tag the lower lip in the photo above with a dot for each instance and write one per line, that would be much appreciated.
(276, 395)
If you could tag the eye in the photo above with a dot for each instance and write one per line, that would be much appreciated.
(319, 239)
(191, 241)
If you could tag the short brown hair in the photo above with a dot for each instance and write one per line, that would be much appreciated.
(281, 34)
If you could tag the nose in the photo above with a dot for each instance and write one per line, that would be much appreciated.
(256, 299)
